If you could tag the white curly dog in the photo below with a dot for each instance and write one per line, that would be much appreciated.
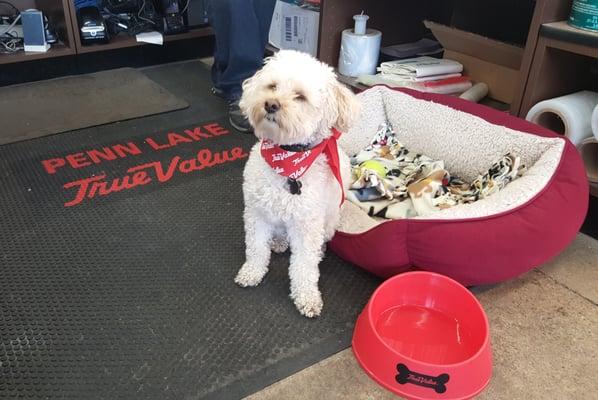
(294, 101)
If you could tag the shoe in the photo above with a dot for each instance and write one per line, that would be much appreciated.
(237, 119)
(235, 116)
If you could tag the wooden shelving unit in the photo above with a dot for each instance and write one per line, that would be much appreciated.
(564, 62)
(399, 22)
(58, 12)
(557, 59)
(545, 11)
(566, 34)
(57, 50)
(402, 22)
(122, 41)
(63, 17)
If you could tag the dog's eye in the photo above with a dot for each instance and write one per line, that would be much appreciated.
(272, 86)
(300, 97)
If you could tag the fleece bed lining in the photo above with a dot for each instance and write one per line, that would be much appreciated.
(468, 145)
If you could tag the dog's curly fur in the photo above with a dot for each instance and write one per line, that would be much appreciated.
(310, 102)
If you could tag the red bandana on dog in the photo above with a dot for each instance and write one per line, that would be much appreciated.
(293, 164)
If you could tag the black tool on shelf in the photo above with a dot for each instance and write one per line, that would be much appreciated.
(92, 27)
(172, 20)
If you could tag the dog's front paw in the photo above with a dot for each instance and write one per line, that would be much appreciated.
(279, 245)
(309, 303)
(250, 276)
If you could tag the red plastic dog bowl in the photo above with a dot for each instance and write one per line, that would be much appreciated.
(424, 336)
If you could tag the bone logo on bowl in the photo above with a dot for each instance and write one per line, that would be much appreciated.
(438, 383)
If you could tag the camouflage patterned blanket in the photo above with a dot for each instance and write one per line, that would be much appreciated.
(389, 181)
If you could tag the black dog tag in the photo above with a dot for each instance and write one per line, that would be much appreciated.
(294, 186)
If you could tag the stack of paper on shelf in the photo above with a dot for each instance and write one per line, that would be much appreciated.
(427, 74)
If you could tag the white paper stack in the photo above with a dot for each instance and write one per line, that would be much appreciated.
(421, 69)
(426, 74)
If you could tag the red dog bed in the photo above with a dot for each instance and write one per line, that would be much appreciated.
(524, 225)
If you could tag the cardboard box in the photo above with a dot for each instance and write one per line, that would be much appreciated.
(484, 60)
(294, 28)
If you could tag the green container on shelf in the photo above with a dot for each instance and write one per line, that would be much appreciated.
(584, 15)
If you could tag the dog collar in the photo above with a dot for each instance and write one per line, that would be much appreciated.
(295, 148)
(293, 161)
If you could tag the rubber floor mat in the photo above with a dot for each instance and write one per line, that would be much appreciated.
(65, 104)
(117, 260)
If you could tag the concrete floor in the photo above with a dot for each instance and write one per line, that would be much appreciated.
(544, 330)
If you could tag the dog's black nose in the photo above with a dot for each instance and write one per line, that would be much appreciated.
(271, 106)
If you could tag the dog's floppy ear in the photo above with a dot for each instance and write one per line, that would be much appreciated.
(347, 105)
(249, 85)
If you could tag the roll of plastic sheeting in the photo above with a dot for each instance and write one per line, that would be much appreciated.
(570, 115)
(359, 53)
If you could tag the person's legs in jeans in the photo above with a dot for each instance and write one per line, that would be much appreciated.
(241, 29)
(264, 10)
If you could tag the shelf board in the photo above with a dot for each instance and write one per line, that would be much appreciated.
(564, 32)
(57, 50)
(122, 41)
(497, 105)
